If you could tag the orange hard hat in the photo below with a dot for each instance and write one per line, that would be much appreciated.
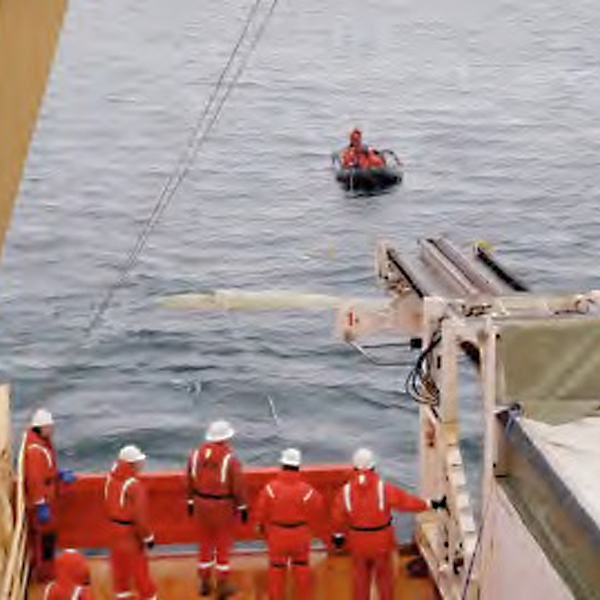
(71, 566)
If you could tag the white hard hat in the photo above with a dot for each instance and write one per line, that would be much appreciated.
(41, 418)
(291, 457)
(219, 431)
(131, 454)
(363, 459)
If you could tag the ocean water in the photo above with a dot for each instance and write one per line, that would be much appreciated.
(493, 107)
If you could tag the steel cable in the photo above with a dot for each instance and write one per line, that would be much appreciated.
(196, 140)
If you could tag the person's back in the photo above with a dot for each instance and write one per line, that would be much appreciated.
(362, 515)
(365, 507)
(72, 579)
(60, 590)
(288, 501)
(214, 473)
(367, 158)
(364, 503)
(287, 510)
(374, 159)
(126, 507)
(125, 503)
(216, 494)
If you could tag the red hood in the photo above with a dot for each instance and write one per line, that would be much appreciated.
(72, 568)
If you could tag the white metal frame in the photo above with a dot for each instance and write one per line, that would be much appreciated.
(447, 539)
(452, 544)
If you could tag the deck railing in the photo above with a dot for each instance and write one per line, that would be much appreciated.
(83, 524)
(447, 542)
(14, 566)
(6, 513)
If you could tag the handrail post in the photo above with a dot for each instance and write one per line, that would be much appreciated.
(6, 478)
(14, 569)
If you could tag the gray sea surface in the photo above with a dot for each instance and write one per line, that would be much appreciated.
(493, 107)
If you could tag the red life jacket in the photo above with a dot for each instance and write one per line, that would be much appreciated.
(212, 470)
(365, 502)
(119, 484)
(125, 500)
(364, 508)
(41, 475)
(374, 159)
(350, 157)
(368, 159)
(288, 501)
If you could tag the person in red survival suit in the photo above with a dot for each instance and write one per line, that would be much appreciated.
(72, 579)
(42, 479)
(216, 492)
(362, 513)
(369, 159)
(351, 155)
(288, 508)
(359, 155)
(130, 535)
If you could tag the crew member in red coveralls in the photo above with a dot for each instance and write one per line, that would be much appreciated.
(41, 491)
(362, 513)
(130, 535)
(216, 493)
(288, 509)
(72, 579)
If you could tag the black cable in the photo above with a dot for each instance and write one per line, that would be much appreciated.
(414, 383)
(194, 144)
(261, 30)
(196, 140)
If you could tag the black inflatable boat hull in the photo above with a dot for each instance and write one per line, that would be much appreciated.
(368, 180)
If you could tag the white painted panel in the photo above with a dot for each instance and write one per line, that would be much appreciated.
(513, 566)
(573, 451)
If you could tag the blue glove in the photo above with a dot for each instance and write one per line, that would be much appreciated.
(43, 513)
(67, 476)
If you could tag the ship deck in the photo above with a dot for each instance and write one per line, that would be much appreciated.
(176, 579)
(82, 524)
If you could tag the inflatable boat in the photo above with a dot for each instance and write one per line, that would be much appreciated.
(369, 179)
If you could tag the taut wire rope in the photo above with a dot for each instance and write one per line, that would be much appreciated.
(195, 143)
(196, 140)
